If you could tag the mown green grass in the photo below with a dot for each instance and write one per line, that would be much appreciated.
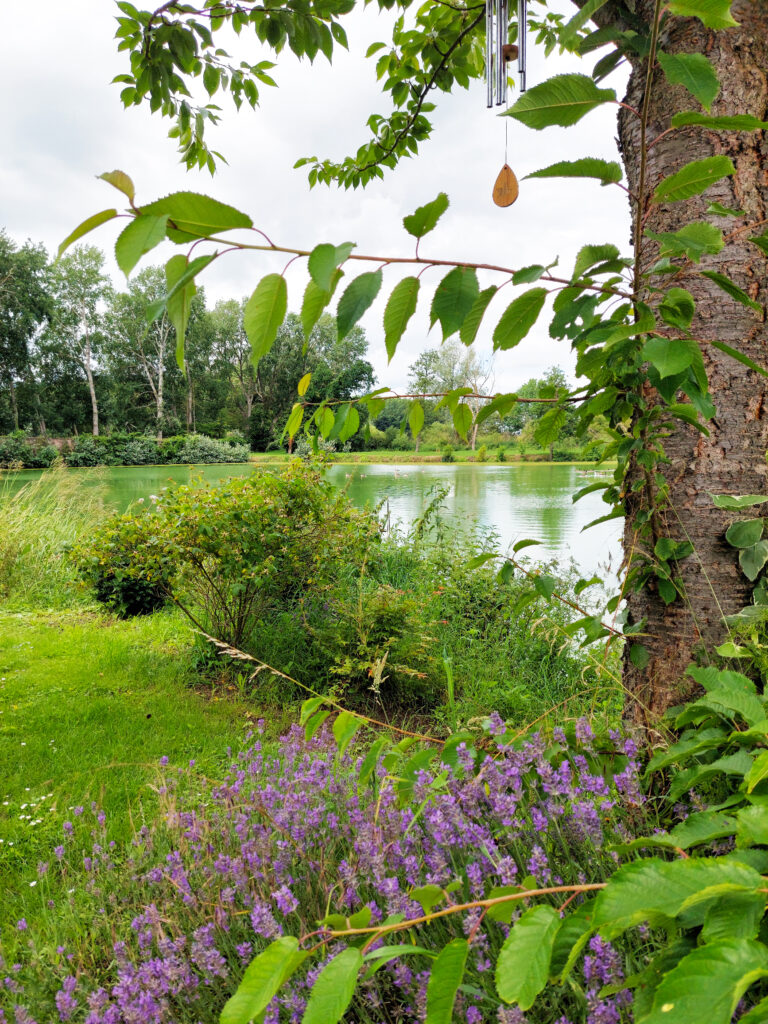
(88, 706)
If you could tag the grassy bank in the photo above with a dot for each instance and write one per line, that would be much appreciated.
(385, 457)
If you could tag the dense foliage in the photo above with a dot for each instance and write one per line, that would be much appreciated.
(379, 836)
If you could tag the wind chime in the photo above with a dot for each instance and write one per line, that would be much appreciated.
(498, 54)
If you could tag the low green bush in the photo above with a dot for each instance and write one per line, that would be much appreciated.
(19, 449)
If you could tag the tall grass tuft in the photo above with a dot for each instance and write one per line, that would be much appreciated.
(37, 523)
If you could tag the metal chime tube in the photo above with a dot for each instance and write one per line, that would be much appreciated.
(522, 32)
(489, 51)
(502, 20)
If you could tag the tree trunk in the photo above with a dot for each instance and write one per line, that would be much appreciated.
(14, 402)
(91, 387)
(190, 404)
(732, 459)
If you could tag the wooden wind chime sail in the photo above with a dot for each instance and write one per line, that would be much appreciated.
(498, 53)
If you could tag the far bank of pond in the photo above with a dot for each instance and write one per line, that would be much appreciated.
(512, 502)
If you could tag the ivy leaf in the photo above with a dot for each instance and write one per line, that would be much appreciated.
(454, 298)
(416, 419)
(324, 260)
(708, 983)
(677, 308)
(518, 318)
(712, 13)
(607, 172)
(264, 313)
(745, 533)
(562, 100)
(262, 980)
(462, 419)
(753, 559)
(357, 298)
(197, 215)
(137, 238)
(522, 967)
(733, 502)
(332, 992)
(693, 179)
(694, 72)
(424, 219)
(399, 309)
(83, 229)
(734, 123)
(444, 980)
(669, 357)
(471, 325)
(731, 289)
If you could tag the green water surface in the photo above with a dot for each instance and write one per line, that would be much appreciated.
(512, 502)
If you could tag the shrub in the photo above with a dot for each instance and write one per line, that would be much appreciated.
(200, 449)
(502, 455)
(88, 451)
(447, 455)
(20, 450)
(231, 555)
(292, 833)
(482, 453)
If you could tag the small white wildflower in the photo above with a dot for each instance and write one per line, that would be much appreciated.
(32, 885)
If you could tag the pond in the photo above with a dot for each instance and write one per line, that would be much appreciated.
(514, 502)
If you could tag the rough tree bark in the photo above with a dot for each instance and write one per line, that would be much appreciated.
(732, 460)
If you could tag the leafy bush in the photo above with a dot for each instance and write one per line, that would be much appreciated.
(18, 449)
(307, 833)
(482, 453)
(231, 555)
(88, 451)
(447, 455)
(200, 449)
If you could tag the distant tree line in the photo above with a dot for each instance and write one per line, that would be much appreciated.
(77, 357)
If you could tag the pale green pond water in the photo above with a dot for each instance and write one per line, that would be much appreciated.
(521, 500)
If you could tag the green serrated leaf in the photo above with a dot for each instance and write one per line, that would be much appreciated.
(694, 72)
(324, 261)
(727, 285)
(314, 302)
(264, 313)
(344, 729)
(453, 300)
(462, 419)
(444, 980)
(607, 172)
(416, 419)
(522, 967)
(708, 983)
(670, 357)
(120, 181)
(332, 992)
(357, 298)
(424, 219)
(197, 215)
(399, 309)
(562, 100)
(732, 123)
(590, 255)
(733, 502)
(518, 318)
(693, 179)
(713, 13)
(83, 229)
(694, 241)
(471, 325)
(140, 236)
(263, 978)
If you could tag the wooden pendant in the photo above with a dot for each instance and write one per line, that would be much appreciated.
(506, 189)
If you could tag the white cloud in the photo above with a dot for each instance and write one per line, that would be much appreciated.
(64, 124)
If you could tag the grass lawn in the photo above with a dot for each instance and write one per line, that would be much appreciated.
(88, 706)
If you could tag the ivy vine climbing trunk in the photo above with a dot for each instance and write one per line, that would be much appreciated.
(732, 459)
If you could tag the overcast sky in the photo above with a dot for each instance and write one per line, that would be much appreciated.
(63, 124)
